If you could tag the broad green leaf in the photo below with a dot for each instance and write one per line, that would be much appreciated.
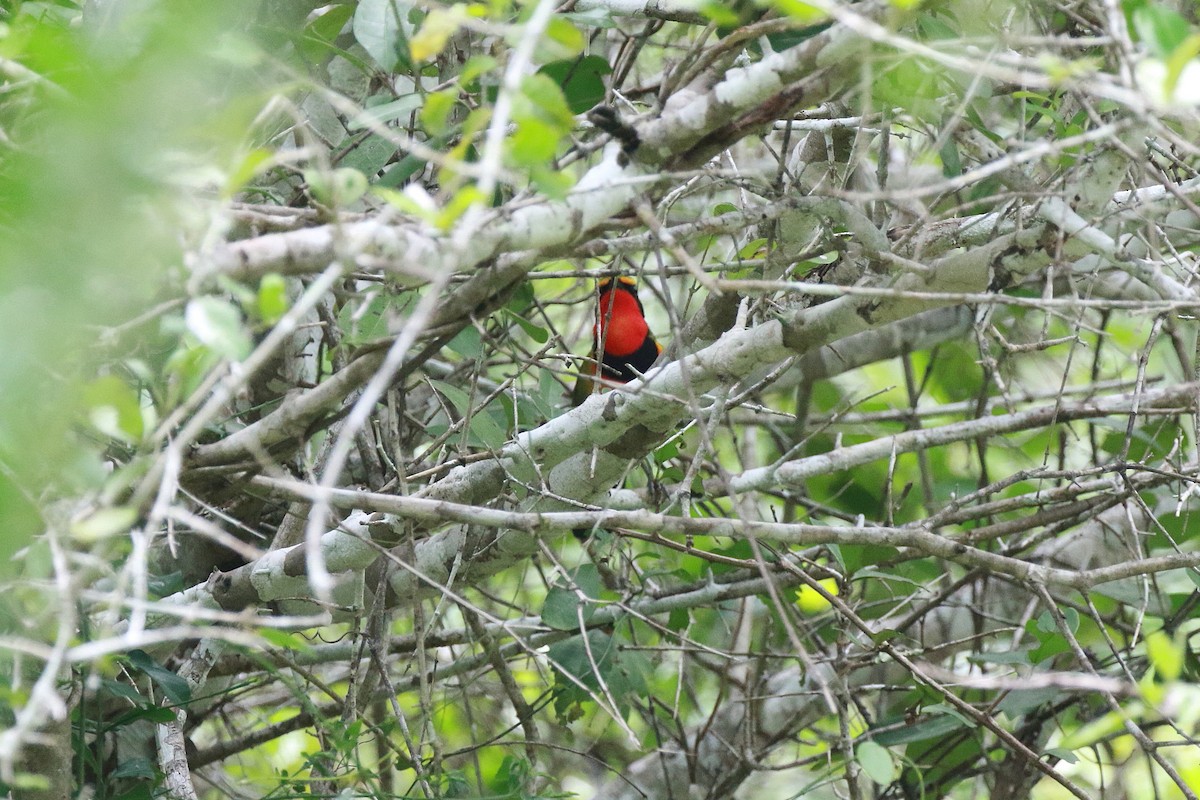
(1160, 28)
(533, 143)
(624, 673)
(546, 101)
(876, 762)
(930, 727)
(321, 32)
(288, 640)
(564, 608)
(382, 28)
(580, 79)
(1065, 755)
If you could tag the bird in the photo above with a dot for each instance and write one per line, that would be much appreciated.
(622, 345)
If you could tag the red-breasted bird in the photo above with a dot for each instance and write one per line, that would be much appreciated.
(622, 345)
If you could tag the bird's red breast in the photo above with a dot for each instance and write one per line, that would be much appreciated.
(622, 345)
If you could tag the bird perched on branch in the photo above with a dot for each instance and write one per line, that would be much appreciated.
(622, 346)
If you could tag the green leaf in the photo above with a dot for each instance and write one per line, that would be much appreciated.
(534, 142)
(564, 608)
(31, 782)
(321, 32)
(1160, 28)
(1065, 755)
(385, 112)
(436, 110)
(284, 639)
(624, 673)
(876, 762)
(136, 767)
(1020, 702)
(174, 687)
(436, 29)
(272, 298)
(476, 66)
(467, 343)
(679, 619)
(931, 727)
(218, 326)
(382, 28)
(1166, 654)
(104, 523)
(336, 188)
(483, 430)
(546, 101)
(368, 326)
(538, 334)
(580, 79)
(563, 37)
(951, 162)
(114, 408)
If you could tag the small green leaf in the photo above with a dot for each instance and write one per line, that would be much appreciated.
(1166, 654)
(31, 782)
(114, 408)
(336, 188)
(437, 28)
(534, 142)
(436, 110)
(1194, 576)
(385, 112)
(1060, 753)
(930, 727)
(218, 326)
(476, 66)
(679, 619)
(272, 298)
(252, 164)
(564, 37)
(1096, 730)
(538, 334)
(174, 687)
(284, 639)
(876, 762)
(951, 162)
(104, 523)
(134, 768)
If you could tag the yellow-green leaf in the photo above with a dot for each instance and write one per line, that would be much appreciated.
(436, 30)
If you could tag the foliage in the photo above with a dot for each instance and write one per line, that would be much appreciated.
(293, 296)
